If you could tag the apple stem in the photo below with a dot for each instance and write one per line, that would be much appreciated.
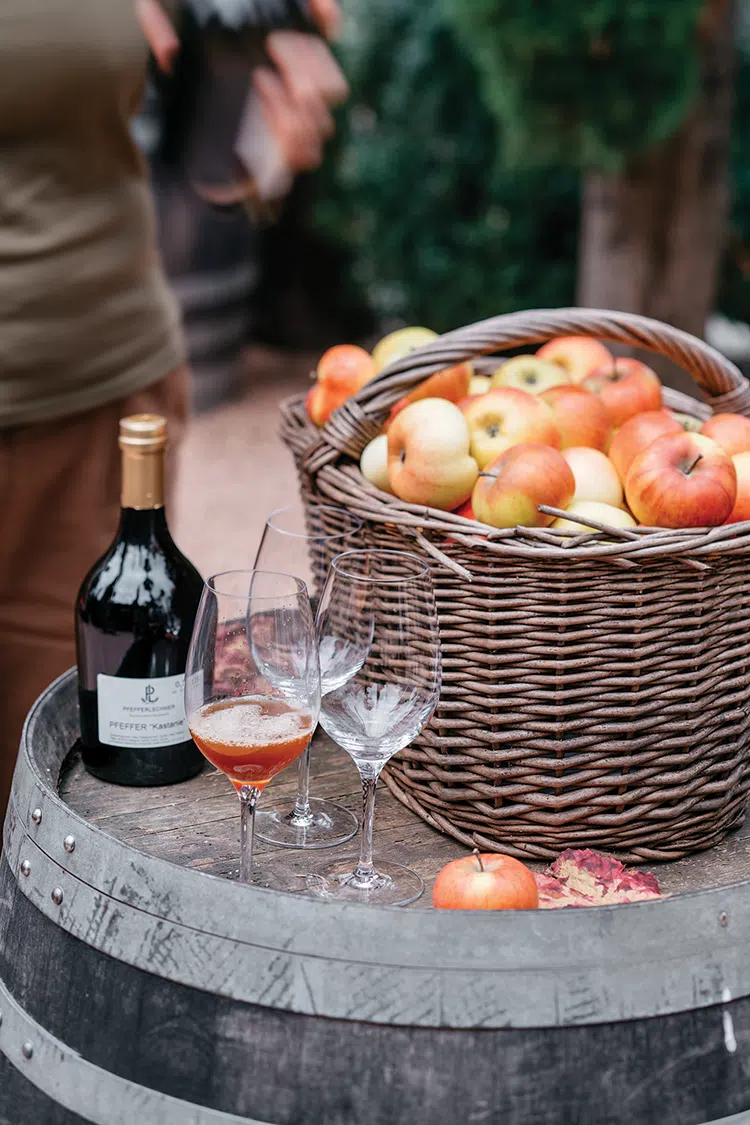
(491, 476)
(479, 858)
(690, 468)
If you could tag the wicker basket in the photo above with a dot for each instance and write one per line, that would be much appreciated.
(595, 693)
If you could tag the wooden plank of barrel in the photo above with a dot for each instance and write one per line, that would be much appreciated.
(137, 986)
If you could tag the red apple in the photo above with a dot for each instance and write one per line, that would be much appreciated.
(485, 882)
(741, 509)
(504, 417)
(626, 387)
(466, 511)
(730, 431)
(342, 371)
(595, 476)
(682, 480)
(579, 416)
(451, 384)
(578, 355)
(637, 433)
(511, 488)
(428, 455)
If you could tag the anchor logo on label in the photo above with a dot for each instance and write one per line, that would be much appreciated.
(149, 694)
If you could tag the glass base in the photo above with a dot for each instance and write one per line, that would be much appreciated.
(393, 885)
(329, 825)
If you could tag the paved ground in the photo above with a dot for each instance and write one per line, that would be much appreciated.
(235, 469)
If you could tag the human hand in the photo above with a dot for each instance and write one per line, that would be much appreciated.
(298, 95)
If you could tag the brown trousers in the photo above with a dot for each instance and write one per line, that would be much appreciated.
(59, 499)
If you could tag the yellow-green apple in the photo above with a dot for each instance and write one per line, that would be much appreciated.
(595, 476)
(373, 463)
(577, 355)
(637, 433)
(479, 384)
(730, 431)
(626, 387)
(511, 488)
(529, 373)
(428, 455)
(687, 421)
(341, 372)
(400, 343)
(451, 384)
(741, 509)
(592, 509)
(682, 480)
(579, 416)
(503, 418)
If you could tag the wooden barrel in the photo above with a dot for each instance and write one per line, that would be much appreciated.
(136, 986)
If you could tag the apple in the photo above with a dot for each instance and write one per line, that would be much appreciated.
(428, 455)
(485, 882)
(595, 476)
(451, 384)
(400, 343)
(637, 433)
(373, 463)
(466, 511)
(602, 513)
(529, 373)
(682, 480)
(741, 509)
(579, 416)
(509, 491)
(341, 372)
(687, 421)
(503, 418)
(626, 387)
(479, 384)
(730, 431)
(577, 355)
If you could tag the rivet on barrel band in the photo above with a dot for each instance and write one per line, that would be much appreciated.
(27, 1049)
(36, 816)
(25, 868)
(57, 896)
(69, 843)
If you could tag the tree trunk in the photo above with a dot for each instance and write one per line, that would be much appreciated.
(652, 235)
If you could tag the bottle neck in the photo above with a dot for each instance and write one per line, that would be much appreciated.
(142, 493)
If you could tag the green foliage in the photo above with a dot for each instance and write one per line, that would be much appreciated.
(583, 83)
(439, 229)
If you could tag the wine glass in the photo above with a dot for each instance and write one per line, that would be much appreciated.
(294, 542)
(385, 700)
(252, 683)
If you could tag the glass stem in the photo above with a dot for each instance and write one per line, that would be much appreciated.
(302, 813)
(248, 796)
(365, 872)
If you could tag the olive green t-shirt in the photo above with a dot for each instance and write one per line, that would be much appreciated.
(85, 313)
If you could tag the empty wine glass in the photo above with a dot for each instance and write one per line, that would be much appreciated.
(252, 684)
(389, 694)
(303, 544)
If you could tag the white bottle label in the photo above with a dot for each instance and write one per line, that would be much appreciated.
(141, 714)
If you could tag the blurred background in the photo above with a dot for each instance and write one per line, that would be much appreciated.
(493, 155)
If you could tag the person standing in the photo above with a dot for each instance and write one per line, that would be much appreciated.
(89, 330)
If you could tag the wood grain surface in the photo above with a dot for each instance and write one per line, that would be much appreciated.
(196, 824)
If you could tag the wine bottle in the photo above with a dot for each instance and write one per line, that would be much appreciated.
(134, 619)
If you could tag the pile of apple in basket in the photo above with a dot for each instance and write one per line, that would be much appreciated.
(570, 428)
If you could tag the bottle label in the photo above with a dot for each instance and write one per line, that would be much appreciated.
(142, 714)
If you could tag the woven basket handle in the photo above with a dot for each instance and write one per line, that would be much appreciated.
(354, 424)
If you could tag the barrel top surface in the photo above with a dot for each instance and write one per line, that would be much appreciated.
(148, 880)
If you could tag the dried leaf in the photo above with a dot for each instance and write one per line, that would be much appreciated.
(582, 877)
